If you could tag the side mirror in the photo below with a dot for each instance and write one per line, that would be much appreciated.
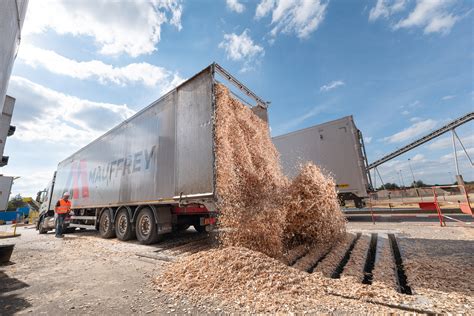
(38, 196)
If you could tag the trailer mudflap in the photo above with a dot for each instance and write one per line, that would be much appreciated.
(163, 219)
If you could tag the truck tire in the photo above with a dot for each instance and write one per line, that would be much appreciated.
(359, 203)
(147, 232)
(123, 226)
(106, 228)
(199, 228)
(41, 229)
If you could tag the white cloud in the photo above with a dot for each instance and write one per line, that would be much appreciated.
(235, 6)
(460, 153)
(117, 27)
(331, 85)
(242, 48)
(43, 114)
(385, 8)
(263, 8)
(415, 119)
(144, 73)
(299, 17)
(448, 97)
(433, 16)
(417, 129)
(368, 139)
(405, 112)
(418, 157)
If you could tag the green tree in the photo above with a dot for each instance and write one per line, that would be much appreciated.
(16, 202)
(389, 186)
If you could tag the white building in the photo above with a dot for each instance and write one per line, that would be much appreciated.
(12, 16)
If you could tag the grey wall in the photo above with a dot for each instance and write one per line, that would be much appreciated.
(5, 119)
(12, 15)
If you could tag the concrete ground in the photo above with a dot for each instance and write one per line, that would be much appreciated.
(84, 274)
(81, 274)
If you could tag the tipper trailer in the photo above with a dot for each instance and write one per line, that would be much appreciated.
(153, 173)
(336, 146)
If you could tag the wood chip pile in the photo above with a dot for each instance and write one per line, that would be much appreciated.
(240, 280)
(312, 208)
(259, 207)
(246, 280)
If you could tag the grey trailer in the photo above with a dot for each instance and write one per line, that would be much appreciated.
(337, 147)
(155, 172)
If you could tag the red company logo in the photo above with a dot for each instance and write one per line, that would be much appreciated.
(78, 180)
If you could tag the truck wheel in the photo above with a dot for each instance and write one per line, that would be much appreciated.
(41, 229)
(199, 228)
(147, 232)
(359, 203)
(123, 226)
(106, 228)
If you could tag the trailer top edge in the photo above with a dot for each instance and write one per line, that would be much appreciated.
(349, 117)
(209, 68)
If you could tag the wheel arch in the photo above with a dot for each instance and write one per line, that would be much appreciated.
(101, 211)
(141, 207)
(129, 211)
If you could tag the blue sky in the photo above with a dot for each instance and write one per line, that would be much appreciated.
(400, 67)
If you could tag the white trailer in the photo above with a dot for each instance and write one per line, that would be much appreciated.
(337, 147)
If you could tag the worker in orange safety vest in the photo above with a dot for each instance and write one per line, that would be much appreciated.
(63, 207)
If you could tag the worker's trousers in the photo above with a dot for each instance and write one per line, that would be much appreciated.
(59, 224)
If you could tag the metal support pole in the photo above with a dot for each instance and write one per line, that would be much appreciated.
(462, 145)
(375, 180)
(403, 180)
(455, 153)
(380, 177)
(414, 181)
(412, 174)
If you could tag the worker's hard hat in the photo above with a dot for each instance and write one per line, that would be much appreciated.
(66, 194)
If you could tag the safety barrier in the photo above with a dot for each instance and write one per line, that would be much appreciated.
(433, 198)
(464, 206)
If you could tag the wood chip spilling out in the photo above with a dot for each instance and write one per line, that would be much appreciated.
(259, 207)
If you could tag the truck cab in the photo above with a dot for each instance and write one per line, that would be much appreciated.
(46, 219)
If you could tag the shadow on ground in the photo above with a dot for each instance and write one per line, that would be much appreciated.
(11, 303)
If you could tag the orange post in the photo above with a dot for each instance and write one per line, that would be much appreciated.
(438, 209)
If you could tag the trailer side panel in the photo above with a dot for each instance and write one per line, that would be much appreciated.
(334, 146)
(163, 151)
